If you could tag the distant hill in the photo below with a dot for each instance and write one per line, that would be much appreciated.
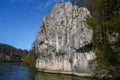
(10, 53)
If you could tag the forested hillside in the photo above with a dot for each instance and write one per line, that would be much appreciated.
(106, 40)
(107, 16)
(10, 53)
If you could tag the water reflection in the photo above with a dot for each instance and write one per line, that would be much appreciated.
(15, 71)
(48, 76)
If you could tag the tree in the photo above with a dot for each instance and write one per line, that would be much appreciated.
(79, 3)
(105, 11)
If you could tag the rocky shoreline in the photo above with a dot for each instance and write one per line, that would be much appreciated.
(102, 74)
(69, 73)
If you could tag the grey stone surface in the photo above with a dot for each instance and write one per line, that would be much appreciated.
(113, 38)
(63, 43)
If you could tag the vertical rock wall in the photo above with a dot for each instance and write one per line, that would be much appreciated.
(63, 44)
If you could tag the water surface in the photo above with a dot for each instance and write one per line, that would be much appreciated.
(15, 71)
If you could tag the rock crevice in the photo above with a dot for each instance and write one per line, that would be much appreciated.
(63, 43)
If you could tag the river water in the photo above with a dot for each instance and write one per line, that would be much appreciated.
(15, 71)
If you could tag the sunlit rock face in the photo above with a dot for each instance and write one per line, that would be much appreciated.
(63, 44)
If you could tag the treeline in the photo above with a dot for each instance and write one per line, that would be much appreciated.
(10, 53)
(106, 14)
(105, 22)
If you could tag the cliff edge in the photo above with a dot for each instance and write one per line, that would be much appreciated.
(63, 44)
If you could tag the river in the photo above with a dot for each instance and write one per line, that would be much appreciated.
(15, 71)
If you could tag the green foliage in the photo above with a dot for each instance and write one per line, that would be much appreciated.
(106, 14)
(29, 59)
(114, 24)
(91, 22)
(104, 64)
(105, 21)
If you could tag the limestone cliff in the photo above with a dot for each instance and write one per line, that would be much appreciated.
(63, 44)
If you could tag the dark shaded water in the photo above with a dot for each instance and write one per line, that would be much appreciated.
(15, 71)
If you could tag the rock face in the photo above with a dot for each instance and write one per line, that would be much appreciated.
(63, 44)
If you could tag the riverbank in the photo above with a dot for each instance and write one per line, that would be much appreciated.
(100, 74)
(10, 61)
(68, 73)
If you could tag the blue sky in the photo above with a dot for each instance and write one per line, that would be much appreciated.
(20, 20)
